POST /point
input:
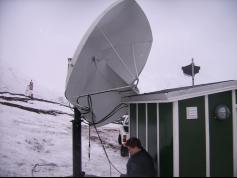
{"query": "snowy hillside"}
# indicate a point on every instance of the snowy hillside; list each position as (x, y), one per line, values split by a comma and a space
(36, 140)
(13, 80)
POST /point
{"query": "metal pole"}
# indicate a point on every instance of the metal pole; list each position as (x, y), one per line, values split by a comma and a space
(193, 72)
(76, 141)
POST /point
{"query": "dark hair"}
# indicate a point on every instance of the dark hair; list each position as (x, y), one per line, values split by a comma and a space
(134, 142)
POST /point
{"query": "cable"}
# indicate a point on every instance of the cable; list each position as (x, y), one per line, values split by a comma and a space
(89, 152)
(86, 109)
(69, 105)
(41, 165)
(85, 122)
(110, 163)
(115, 110)
(94, 124)
(83, 109)
(89, 109)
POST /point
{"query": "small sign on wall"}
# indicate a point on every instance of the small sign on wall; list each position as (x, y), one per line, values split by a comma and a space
(192, 112)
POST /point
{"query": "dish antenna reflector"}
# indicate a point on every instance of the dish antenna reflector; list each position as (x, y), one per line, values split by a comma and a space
(107, 63)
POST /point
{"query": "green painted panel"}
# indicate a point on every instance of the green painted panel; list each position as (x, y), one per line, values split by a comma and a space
(166, 139)
(221, 137)
(133, 120)
(152, 130)
(192, 140)
(142, 123)
(236, 96)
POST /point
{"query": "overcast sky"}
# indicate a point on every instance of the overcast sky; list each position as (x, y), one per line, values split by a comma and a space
(37, 37)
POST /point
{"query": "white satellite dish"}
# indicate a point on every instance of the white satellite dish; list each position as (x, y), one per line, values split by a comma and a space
(108, 62)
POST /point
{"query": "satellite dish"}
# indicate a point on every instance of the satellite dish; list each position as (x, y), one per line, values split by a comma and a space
(108, 61)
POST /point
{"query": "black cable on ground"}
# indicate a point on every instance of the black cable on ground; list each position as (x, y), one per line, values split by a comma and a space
(94, 124)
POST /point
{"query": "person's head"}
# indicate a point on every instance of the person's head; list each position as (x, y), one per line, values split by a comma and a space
(134, 145)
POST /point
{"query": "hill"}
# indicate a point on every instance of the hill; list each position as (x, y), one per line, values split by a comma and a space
(36, 140)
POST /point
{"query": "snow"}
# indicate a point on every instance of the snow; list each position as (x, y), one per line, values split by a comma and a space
(13, 80)
(10, 95)
(36, 104)
(28, 138)
(37, 145)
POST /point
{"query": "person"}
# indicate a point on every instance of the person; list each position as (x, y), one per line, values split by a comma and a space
(31, 85)
(140, 163)
(29, 89)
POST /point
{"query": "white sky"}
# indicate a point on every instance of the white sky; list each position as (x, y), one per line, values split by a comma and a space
(37, 37)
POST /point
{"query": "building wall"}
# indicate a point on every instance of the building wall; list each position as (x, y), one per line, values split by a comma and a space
(142, 123)
(145, 124)
(166, 139)
(152, 131)
(235, 131)
(139, 113)
(236, 96)
(221, 137)
(192, 141)
(133, 120)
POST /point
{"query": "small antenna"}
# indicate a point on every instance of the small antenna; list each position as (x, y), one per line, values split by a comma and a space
(191, 70)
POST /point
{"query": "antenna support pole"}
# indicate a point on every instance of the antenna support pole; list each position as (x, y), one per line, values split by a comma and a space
(193, 75)
(77, 146)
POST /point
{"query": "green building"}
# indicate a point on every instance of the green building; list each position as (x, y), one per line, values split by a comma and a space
(189, 131)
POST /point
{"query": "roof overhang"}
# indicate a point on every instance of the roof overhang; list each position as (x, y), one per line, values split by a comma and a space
(182, 94)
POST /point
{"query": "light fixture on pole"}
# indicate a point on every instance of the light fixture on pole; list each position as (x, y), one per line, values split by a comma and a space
(191, 70)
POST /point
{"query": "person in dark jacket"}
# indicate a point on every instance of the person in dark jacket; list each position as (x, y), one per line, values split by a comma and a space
(140, 163)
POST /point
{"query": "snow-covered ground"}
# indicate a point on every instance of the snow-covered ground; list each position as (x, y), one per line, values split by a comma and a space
(33, 144)
(13, 80)
(33, 103)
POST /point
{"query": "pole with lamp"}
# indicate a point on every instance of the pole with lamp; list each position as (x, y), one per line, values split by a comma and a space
(191, 70)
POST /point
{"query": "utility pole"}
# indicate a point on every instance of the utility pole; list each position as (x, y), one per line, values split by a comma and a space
(191, 70)
(193, 75)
